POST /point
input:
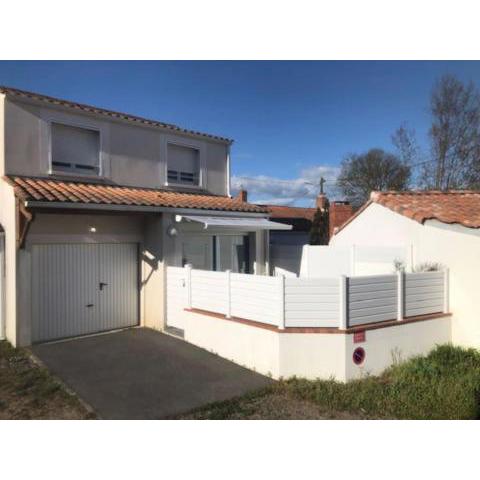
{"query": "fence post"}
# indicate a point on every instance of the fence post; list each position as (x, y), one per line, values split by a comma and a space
(188, 274)
(400, 294)
(446, 290)
(343, 303)
(229, 294)
(281, 291)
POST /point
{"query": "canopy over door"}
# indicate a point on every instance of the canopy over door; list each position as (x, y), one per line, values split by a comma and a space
(239, 223)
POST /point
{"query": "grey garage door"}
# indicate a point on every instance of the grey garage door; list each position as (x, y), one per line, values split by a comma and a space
(79, 289)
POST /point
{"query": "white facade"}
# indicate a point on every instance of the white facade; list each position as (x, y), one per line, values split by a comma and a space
(453, 246)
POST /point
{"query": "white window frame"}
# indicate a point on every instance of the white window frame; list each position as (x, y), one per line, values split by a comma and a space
(202, 169)
(85, 126)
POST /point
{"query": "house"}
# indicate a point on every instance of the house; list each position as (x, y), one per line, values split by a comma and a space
(435, 227)
(94, 204)
(110, 220)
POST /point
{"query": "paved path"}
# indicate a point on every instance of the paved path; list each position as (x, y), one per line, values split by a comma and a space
(144, 374)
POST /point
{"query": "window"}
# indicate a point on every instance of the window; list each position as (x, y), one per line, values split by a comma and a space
(183, 165)
(75, 150)
(231, 252)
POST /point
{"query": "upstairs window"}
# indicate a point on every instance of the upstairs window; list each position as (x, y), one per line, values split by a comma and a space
(75, 149)
(183, 165)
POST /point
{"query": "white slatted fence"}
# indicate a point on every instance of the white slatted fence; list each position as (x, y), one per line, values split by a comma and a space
(371, 299)
(311, 302)
(424, 293)
(307, 302)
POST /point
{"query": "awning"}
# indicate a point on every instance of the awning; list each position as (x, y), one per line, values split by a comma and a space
(238, 223)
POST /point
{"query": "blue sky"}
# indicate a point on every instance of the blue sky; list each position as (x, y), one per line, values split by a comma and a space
(291, 121)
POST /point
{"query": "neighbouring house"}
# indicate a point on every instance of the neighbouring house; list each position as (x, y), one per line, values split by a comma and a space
(94, 204)
(286, 246)
(434, 227)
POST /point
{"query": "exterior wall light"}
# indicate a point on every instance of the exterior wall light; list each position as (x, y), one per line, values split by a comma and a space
(92, 229)
(172, 231)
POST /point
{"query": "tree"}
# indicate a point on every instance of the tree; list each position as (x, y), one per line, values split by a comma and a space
(454, 136)
(405, 143)
(319, 229)
(373, 170)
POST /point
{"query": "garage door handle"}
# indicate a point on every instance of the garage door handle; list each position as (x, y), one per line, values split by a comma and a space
(90, 305)
(101, 285)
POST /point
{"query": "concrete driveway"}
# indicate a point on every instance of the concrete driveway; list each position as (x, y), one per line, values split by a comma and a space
(144, 374)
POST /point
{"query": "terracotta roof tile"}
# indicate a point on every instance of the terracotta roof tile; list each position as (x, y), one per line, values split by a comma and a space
(283, 211)
(453, 206)
(49, 190)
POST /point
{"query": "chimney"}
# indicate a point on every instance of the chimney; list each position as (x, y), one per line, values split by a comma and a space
(321, 202)
(339, 213)
(242, 195)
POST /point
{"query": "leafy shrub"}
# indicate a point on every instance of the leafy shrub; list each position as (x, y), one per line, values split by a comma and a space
(445, 384)
(428, 267)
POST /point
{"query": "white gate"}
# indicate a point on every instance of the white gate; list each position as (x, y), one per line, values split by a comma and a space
(79, 289)
(176, 296)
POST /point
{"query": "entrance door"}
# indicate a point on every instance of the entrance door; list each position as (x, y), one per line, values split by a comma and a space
(79, 289)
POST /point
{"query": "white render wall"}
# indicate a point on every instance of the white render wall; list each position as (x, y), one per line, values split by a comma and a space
(312, 355)
(385, 346)
(351, 260)
(8, 222)
(454, 246)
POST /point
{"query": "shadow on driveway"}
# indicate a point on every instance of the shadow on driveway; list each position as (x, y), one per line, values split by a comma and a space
(144, 374)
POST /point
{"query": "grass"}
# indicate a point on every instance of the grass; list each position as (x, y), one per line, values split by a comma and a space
(445, 384)
(29, 391)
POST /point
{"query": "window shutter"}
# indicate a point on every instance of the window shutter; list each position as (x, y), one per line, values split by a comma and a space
(75, 149)
(183, 165)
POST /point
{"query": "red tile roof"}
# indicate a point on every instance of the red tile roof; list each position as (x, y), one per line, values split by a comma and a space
(47, 190)
(106, 113)
(282, 211)
(453, 206)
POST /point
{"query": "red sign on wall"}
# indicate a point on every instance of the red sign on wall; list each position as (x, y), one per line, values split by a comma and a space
(359, 337)
(358, 356)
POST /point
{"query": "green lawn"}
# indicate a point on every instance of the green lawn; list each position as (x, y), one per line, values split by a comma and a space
(442, 385)
(29, 391)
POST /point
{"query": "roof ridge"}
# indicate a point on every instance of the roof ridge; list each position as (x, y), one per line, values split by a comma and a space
(107, 112)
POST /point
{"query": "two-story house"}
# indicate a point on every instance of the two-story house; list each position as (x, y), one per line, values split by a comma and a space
(95, 203)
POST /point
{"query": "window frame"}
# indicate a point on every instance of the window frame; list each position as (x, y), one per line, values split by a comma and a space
(84, 126)
(202, 173)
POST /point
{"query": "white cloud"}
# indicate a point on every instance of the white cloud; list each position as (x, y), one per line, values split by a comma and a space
(301, 190)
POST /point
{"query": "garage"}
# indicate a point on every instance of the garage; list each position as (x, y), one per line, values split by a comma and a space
(79, 289)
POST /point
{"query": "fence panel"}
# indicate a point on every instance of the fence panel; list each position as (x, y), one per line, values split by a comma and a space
(209, 291)
(372, 299)
(255, 297)
(424, 293)
(308, 302)
(312, 302)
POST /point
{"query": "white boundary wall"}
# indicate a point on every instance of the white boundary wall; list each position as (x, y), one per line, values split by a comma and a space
(313, 355)
(333, 260)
